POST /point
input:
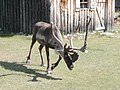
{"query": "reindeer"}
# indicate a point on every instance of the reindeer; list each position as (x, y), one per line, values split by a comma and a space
(49, 35)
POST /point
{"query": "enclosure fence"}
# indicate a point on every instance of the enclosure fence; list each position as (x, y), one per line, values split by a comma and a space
(20, 15)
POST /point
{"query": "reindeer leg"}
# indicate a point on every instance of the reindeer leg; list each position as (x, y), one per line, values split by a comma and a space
(55, 64)
(48, 60)
(42, 61)
(33, 42)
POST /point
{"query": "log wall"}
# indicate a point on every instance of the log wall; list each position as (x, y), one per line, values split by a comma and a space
(20, 15)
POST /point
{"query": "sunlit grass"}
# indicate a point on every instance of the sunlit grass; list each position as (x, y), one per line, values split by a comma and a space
(99, 69)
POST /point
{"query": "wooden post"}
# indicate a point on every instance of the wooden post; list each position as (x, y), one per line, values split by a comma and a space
(23, 25)
(109, 15)
(1, 15)
(106, 15)
(113, 12)
(69, 15)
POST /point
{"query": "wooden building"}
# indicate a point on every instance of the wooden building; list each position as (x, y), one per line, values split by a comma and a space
(71, 13)
(19, 15)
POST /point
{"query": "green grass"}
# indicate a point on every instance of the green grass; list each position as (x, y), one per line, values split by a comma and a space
(99, 69)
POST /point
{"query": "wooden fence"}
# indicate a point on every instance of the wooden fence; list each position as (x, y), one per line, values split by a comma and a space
(67, 17)
(19, 15)
(78, 21)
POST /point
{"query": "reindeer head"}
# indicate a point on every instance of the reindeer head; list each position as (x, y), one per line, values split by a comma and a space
(69, 56)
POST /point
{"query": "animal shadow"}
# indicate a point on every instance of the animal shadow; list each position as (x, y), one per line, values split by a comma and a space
(13, 66)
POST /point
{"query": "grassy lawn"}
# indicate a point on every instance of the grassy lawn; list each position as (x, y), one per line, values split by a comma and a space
(99, 69)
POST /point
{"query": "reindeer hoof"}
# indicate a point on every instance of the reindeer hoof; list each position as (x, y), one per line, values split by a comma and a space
(28, 61)
(86, 51)
(48, 72)
(43, 65)
(53, 66)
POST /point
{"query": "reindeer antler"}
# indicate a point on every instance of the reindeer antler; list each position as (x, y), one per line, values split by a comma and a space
(67, 49)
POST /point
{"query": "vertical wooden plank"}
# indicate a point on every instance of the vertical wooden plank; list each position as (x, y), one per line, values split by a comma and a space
(80, 19)
(112, 12)
(51, 14)
(45, 11)
(23, 11)
(26, 16)
(29, 18)
(18, 16)
(43, 6)
(15, 16)
(11, 20)
(74, 9)
(92, 20)
(36, 10)
(48, 10)
(62, 21)
(55, 12)
(109, 14)
(32, 15)
(21, 16)
(58, 13)
(75, 20)
(0, 15)
(6, 18)
(66, 22)
(3, 15)
(71, 13)
(69, 16)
